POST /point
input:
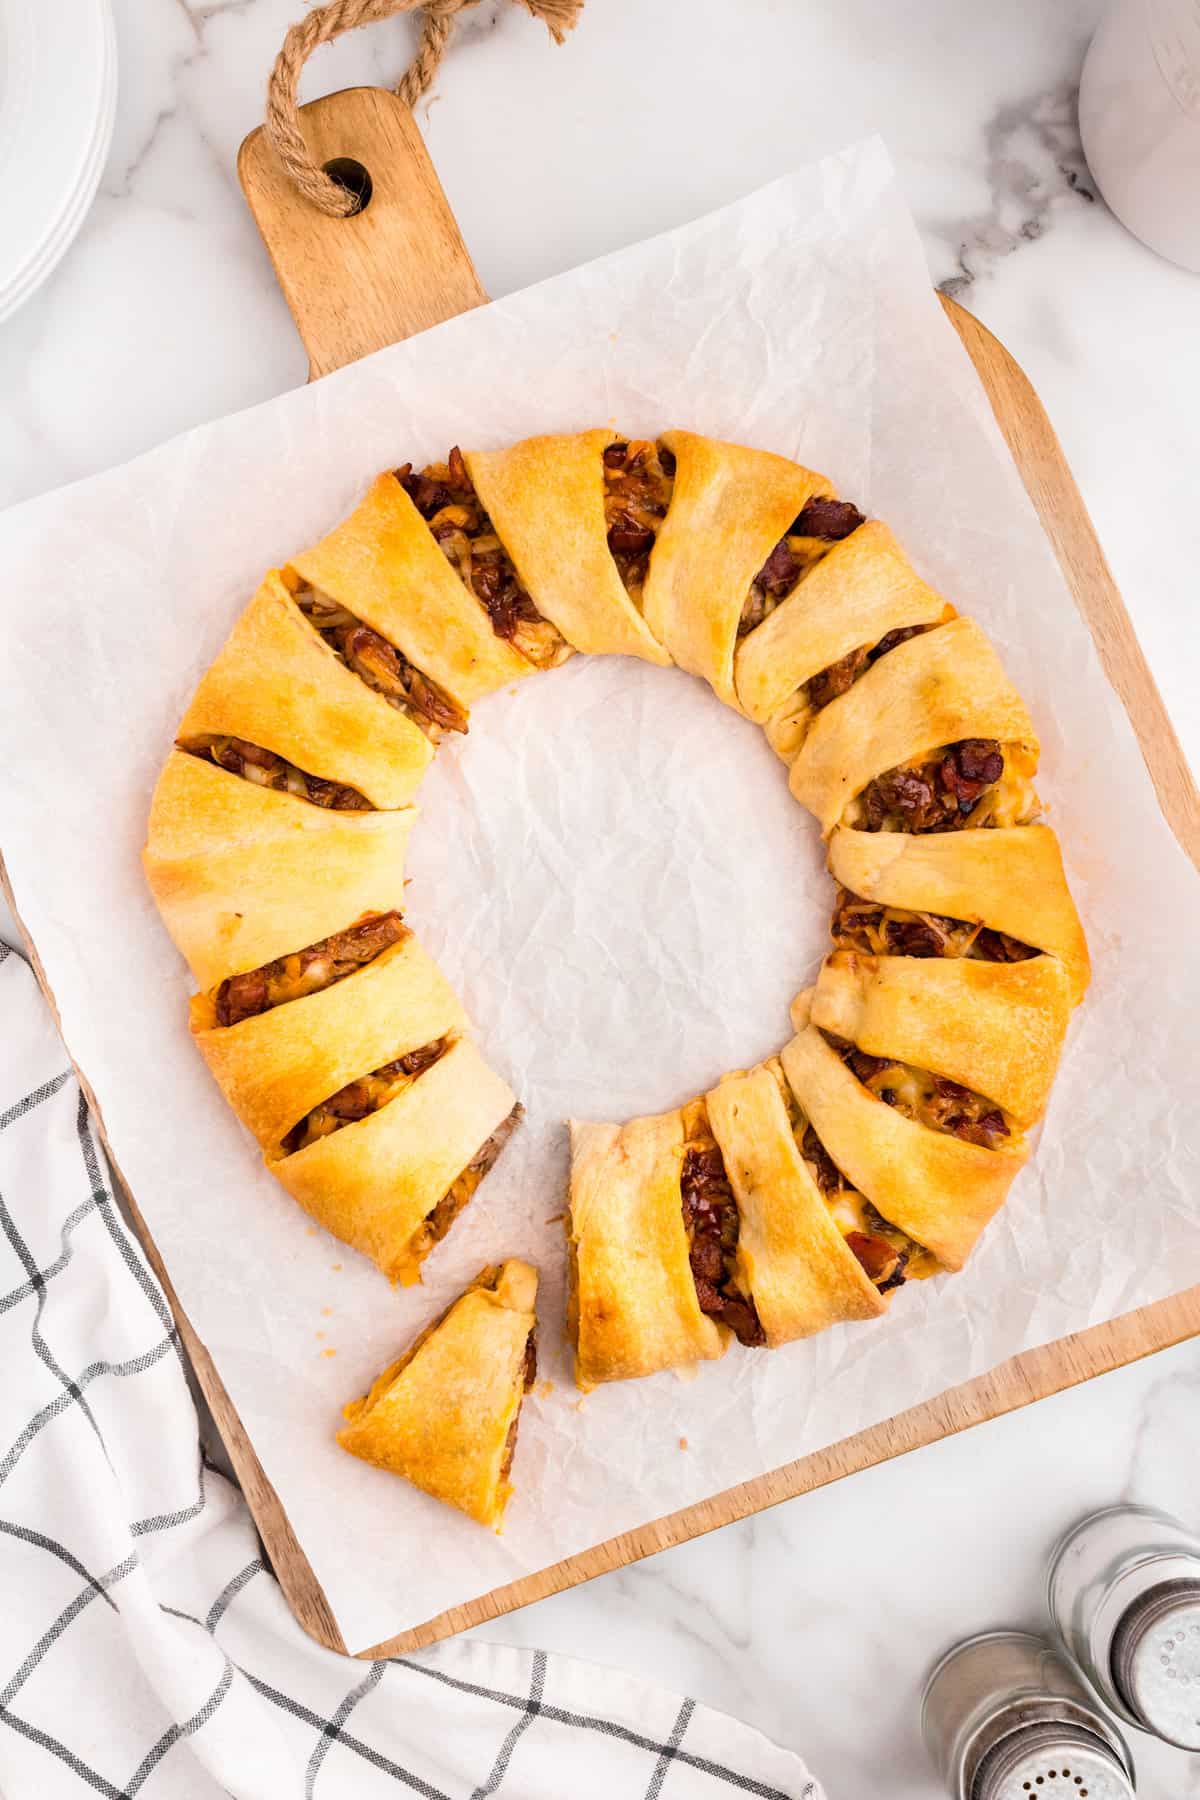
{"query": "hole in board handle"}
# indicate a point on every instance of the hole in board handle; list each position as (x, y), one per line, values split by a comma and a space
(354, 178)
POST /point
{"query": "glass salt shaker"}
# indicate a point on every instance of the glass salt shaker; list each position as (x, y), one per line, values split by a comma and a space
(1005, 1717)
(1124, 1592)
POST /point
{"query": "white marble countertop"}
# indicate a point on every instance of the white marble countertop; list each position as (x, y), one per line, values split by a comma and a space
(816, 1621)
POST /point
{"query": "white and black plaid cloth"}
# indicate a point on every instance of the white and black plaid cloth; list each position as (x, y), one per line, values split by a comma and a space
(145, 1648)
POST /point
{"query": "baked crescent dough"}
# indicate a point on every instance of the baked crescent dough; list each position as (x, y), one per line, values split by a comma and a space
(792, 1259)
(374, 1183)
(946, 685)
(996, 1028)
(384, 565)
(275, 1067)
(243, 874)
(730, 508)
(937, 1188)
(1008, 878)
(871, 1152)
(276, 684)
(445, 1414)
(861, 589)
(545, 497)
(633, 1306)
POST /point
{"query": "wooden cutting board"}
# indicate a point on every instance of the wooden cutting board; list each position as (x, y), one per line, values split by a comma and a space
(355, 285)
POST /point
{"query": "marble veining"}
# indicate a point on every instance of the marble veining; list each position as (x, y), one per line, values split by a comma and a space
(1035, 165)
(817, 1620)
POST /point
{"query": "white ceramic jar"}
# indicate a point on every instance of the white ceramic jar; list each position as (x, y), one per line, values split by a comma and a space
(1139, 116)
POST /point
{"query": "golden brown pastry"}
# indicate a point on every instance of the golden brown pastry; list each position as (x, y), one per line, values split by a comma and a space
(995, 1028)
(730, 508)
(937, 1185)
(384, 566)
(850, 607)
(445, 1414)
(243, 873)
(277, 686)
(633, 1307)
(391, 1180)
(793, 1260)
(546, 499)
(872, 753)
(276, 1065)
(1005, 884)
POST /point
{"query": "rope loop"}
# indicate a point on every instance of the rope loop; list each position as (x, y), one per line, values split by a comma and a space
(325, 23)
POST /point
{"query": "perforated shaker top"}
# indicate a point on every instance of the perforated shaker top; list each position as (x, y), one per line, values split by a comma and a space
(1054, 1761)
(1156, 1661)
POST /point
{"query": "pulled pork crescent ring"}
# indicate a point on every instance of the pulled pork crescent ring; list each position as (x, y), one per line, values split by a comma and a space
(805, 1192)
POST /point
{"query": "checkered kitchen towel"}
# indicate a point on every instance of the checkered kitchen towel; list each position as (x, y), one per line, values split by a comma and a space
(145, 1648)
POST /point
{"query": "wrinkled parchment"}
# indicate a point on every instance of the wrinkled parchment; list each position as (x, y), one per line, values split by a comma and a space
(609, 868)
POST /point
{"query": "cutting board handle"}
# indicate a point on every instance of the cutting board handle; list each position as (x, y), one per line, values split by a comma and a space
(394, 268)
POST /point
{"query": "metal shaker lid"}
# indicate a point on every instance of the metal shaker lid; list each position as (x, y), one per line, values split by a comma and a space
(1156, 1661)
(1052, 1761)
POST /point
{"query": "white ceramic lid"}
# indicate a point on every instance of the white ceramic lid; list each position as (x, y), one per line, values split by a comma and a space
(58, 90)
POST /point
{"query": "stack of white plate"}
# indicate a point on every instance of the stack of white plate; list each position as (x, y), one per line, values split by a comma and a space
(58, 92)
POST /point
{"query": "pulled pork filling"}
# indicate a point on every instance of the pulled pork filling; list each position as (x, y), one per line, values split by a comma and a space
(528, 1377)
(828, 684)
(267, 770)
(710, 1218)
(445, 497)
(962, 784)
(639, 478)
(887, 1256)
(358, 1099)
(877, 930)
(382, 666)
(822, 524)
(462, 1188)
(931, 1100)
(307, 971)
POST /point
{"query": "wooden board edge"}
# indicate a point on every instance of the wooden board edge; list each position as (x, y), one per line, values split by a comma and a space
(1033, 1375)
(301, 1588)
(1047, 478)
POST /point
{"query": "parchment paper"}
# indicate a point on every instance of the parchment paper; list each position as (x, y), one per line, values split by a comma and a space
(609, 868)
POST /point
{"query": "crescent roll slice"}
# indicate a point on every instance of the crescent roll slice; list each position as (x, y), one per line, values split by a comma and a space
(632, 1306)
(935, 693)
(731, 506)
(1008, 881)
(276, 1066)
(391, 1183)
(793, 1261)
(938, 1188)
(277, 685)
(994, 1028)
(837, 619)
(445, 1414)
(546, 499)
(243, 874)
(384, 566)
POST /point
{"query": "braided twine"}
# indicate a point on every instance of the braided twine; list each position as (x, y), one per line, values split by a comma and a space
(321, 26)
